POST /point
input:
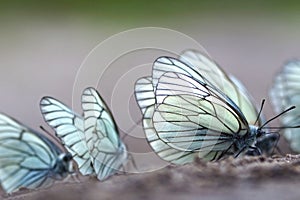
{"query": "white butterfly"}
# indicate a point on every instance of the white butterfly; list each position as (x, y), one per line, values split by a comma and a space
(93, 140)
(286, 92)
(192, 108)
(29, 159)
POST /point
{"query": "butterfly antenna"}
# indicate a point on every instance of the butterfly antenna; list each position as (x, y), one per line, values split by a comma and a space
(280, 128)
(282, 113)
(260, 110)
(50, 134)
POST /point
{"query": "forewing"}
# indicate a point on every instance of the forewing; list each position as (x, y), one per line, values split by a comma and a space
(228, 84)
(206, 67)
(107, 150)
(245, 102)
(26, 158)
(69, 129)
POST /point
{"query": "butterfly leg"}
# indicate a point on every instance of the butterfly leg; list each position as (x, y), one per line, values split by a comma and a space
(72, 178)
(130, 157)
(252, 151)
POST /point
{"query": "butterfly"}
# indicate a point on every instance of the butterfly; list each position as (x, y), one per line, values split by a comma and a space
(92, 139)
(286, 92)
(29, 159)
(192, 108)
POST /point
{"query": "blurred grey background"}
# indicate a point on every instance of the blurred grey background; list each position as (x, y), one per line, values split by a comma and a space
(42, 45)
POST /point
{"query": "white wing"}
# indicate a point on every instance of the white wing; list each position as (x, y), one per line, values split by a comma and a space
(144, 93)
(193, 116)
(106, 148)
(285, 93)
(69, 128)
(216, 77)
(27, 159)
(146, 100)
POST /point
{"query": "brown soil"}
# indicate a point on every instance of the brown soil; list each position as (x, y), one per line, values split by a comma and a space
(242, 178)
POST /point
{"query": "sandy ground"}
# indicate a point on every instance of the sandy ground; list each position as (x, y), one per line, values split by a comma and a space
(243, 178)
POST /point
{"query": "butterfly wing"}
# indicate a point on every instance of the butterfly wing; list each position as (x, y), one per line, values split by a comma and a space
(69, 128)
(106, 148)
(216, 77)
(27, 159)
(192, 116)
(285, 93)
(145, 97)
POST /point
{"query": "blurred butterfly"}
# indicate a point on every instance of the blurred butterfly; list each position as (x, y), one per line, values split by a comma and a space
(286, 92)
(93, 140)
(192, 108)
(29, 159)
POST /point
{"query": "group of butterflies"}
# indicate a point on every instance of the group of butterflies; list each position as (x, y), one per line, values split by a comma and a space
(191, 108)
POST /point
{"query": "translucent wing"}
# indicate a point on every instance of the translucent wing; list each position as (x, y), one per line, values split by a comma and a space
(144, 93)
(285, 93)
(106, 148)
(69, 128)
(27, 159)
(146, 100)
(193, 116)
(216, 77)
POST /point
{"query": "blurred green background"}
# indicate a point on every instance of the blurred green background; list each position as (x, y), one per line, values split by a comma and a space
(43, 43)
(135, 11)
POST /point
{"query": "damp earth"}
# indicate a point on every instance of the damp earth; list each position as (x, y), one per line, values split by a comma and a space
(276, 177)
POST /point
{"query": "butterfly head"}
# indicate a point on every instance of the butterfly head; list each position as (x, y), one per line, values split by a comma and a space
(263, 142)
(267, 142)
(63, 165)
(250, 141)
(260, 140)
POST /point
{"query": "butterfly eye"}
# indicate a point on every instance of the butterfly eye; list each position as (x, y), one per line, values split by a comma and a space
(67, 157)
(259, 133)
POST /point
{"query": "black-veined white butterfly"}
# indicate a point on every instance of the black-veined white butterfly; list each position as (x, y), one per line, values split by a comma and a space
(286, 92)
(29, 159)
(192, 108)
(93, 140)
